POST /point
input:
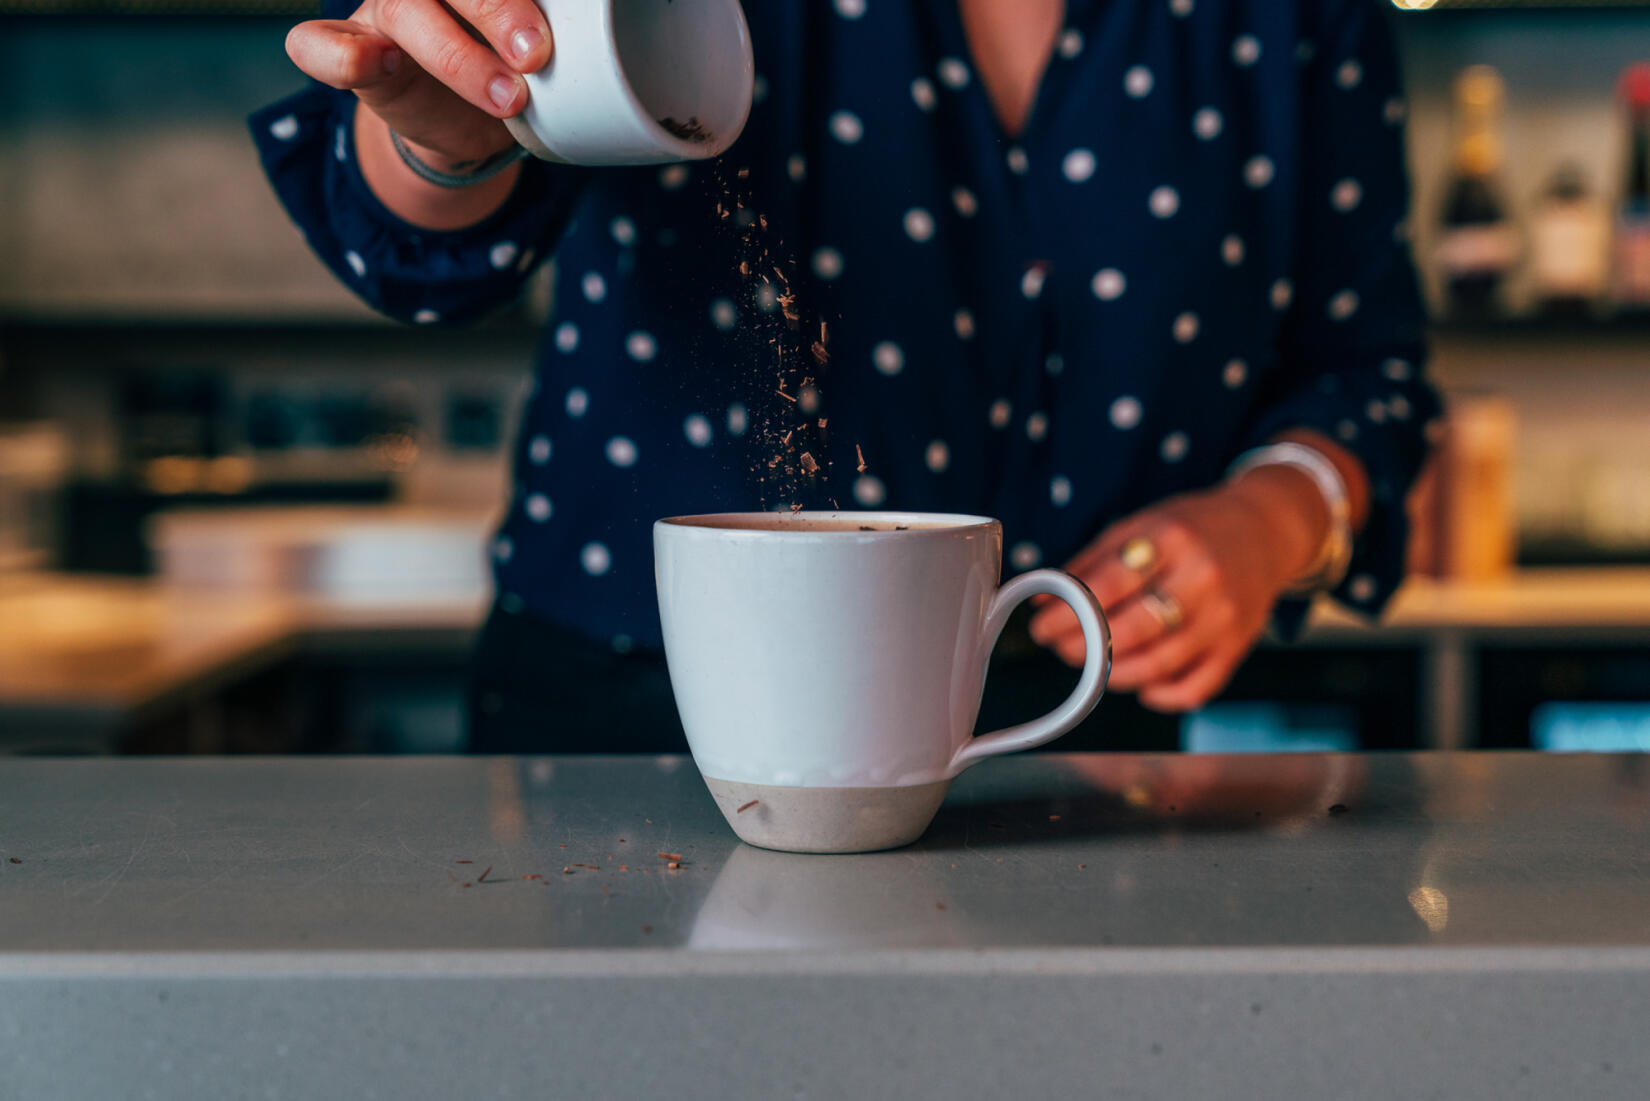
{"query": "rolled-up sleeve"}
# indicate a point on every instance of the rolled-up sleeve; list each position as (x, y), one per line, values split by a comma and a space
(306, 143)
(1353, 343)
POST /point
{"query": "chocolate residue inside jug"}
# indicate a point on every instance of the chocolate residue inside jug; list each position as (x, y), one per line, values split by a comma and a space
(690, 130)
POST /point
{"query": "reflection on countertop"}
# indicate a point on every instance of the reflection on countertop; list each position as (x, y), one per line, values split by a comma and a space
(1037, 852)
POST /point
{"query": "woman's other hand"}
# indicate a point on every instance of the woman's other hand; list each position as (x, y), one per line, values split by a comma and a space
(1189, 584)
(442, 76)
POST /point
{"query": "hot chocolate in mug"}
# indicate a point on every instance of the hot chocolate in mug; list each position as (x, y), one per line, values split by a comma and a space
(828, 667)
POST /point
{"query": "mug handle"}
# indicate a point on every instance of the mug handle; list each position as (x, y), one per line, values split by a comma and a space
(1090, 686)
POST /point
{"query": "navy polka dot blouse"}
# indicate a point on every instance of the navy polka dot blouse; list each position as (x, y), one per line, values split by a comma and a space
(1198, 241)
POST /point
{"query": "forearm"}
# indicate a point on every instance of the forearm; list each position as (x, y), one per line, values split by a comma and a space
(417, 201)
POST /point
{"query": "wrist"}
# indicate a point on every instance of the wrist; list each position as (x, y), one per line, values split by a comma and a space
(1292, 510)
(416, 201)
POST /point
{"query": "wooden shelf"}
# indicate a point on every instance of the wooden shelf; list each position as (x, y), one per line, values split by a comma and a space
(1621, 326)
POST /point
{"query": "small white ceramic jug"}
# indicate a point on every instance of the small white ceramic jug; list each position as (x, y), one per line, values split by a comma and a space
(639, 82)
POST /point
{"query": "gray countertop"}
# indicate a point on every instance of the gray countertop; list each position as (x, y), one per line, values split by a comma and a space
(1081, 908)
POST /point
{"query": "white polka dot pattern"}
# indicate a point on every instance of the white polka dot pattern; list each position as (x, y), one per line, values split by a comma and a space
(1258, 172)
(1126, 412)
(641, 347)
(504, 548)
(1346, 195)
(284, 128)
(827, 263)
(846, 127)
(502, 255)
(596, 559)
(1207, 209)
(1031, 283)
(888, 358)
(697, 430)
(919, 224)
(724, 314)
(621, 452)
(937, 457)
(1361, 588)
(426, 317)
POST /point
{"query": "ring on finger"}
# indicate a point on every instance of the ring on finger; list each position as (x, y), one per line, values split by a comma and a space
(1163, 608)
(1139, 554)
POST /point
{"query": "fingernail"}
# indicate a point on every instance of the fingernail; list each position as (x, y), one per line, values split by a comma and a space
(524, 42)
(502, 91)
(391, 61)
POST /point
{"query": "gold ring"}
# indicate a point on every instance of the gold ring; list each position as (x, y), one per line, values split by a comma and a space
(1164, 608)
(1139, 554)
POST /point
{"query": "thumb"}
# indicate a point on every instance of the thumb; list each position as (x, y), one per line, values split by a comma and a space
(344, 54)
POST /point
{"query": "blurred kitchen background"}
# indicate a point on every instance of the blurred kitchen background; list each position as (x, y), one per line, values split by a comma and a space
(240, 513)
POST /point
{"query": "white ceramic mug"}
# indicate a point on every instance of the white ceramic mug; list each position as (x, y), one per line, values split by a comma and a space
(621, 68)
(828, 667)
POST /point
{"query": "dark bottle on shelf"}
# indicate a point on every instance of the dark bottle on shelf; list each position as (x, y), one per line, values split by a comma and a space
(1633, 213)
(1477, 244)
(1569, 246)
